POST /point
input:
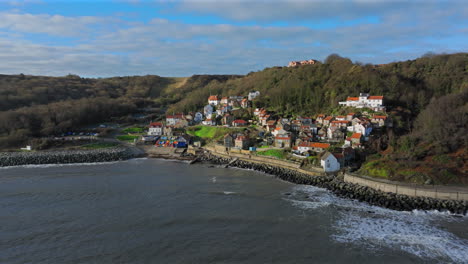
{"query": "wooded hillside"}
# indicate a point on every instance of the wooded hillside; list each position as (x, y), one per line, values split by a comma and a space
(35, 106)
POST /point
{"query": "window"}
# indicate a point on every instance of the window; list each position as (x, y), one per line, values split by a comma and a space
(328, 164)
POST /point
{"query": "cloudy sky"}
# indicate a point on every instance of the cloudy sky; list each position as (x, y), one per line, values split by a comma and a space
(182, 38)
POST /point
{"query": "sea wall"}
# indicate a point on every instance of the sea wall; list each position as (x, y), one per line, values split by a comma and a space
(220, 151)
(437, 192)
(344, 189)
(285, 173)
(65, 156)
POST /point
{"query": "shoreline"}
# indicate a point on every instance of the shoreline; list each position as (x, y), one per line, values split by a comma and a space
(335, 184)
(340, 188)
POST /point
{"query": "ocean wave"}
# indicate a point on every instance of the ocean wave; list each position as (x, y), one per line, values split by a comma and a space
(409, 233)
(416, 232)
(172, 160)
(308, 204)
(223, 193)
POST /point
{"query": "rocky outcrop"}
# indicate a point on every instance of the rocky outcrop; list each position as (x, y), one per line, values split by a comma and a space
(68, 156)
(348, 190)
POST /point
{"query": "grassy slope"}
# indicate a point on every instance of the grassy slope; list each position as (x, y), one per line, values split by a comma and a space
(128, 138)
(278, 153)
(210, 132)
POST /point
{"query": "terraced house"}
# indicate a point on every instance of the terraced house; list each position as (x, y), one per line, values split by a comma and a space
(374, 102)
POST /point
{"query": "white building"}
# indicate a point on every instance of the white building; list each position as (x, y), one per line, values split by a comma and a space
(208, 110)
(253, 95)
(363, 128)
(224, 100)
(156, 129)
(236, 97)
(365, 100)
(213, 100)
(171, 120)
(329, 162)
(279, 131)
(209, 122)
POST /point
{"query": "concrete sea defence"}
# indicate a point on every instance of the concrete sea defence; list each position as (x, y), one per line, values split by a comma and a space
(166, 153)
(339, 187)
(66, 156)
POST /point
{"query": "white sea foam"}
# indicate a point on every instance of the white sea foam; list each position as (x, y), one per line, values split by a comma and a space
(308, 204)
(172, 160)
(137, 159)
(228, 193)
(417, 232)
(409, 233)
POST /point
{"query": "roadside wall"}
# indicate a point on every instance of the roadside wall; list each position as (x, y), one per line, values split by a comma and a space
(438, 192)
(221, 151)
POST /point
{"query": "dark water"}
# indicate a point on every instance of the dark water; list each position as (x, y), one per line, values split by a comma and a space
(154, 211)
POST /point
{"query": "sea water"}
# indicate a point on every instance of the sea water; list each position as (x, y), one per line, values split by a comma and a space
(158, 211)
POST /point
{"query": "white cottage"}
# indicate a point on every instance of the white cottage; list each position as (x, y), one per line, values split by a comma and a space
(329, 162)
(156, 129)
(253, 95)
(213, 100)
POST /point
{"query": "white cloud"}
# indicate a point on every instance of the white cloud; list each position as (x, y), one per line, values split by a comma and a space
(55, 25)
(106, 46)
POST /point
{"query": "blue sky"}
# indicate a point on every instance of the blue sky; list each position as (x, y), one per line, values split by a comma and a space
(182, 38)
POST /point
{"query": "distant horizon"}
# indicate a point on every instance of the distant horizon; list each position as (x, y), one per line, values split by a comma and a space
(187, 76)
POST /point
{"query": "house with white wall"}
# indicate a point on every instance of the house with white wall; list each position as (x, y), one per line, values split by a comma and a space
(253, 95)
(213, 100)
(374, 102)
(172, 120)
(156, 129)
(329, 162)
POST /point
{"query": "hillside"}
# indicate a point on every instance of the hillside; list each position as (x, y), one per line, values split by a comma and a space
(35, 106)
(311, 89)
(426, 99)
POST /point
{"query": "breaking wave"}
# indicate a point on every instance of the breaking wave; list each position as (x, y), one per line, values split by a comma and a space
(420, 233)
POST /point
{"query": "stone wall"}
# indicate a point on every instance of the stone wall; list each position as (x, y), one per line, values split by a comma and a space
(65, 156)
(437, 192)
(219, 150)
(341, 188)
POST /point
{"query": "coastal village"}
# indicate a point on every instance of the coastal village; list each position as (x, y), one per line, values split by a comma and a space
(328, 149)
(326, 141)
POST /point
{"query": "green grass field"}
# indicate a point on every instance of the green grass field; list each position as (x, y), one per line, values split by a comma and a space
(99, 145)
(376, 168)
(133, 130)
(210, 132)
(278, 153)
(126, 138)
